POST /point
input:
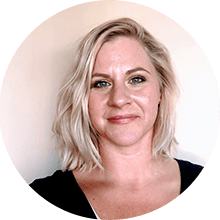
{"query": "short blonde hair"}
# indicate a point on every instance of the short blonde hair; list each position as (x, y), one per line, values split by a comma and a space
(76, 137)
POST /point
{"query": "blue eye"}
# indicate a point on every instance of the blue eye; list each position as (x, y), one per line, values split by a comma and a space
(137, 79)
(100, 84)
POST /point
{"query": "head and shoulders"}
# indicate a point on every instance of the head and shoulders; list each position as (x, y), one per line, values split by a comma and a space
(77, 139)
(117, 104)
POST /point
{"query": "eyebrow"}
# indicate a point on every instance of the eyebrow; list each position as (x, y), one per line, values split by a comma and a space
(127, 73)
(136, 70)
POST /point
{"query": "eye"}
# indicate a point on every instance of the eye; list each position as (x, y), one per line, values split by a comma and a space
(100, 84)
(137, 79)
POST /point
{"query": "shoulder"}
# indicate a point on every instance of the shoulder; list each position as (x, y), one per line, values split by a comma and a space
(188, 167)
(59, 178)
(62, 190)
(189, 172)
(55, 187)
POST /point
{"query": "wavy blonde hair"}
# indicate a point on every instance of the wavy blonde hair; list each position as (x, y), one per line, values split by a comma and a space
(77, 139)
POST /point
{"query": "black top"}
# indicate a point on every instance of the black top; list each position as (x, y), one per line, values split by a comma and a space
(62, 190)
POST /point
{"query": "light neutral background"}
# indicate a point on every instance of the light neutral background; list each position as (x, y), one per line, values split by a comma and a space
(33, 76)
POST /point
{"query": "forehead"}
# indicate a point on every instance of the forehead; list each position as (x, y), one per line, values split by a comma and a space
(122, 51)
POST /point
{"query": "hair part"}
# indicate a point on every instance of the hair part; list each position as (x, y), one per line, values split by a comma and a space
(76, 137)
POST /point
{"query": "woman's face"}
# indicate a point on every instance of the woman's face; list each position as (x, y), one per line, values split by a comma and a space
(125, 94)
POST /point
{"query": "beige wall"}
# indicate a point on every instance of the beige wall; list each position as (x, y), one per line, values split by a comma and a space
(32, 79)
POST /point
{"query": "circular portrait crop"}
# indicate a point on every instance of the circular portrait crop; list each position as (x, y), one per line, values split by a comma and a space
(110, 110)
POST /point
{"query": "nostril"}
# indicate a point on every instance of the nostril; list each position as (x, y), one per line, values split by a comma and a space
(119, 97)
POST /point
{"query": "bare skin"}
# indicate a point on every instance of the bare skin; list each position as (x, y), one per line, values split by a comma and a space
(123, 106)
(121, 192)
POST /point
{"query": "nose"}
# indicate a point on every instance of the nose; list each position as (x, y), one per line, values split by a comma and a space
(119, 97)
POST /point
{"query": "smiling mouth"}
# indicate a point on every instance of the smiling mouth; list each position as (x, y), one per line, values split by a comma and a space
(122, 119)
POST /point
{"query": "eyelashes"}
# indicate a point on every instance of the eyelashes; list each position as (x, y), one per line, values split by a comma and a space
(104, 83)
(100, 84)
(137, 79)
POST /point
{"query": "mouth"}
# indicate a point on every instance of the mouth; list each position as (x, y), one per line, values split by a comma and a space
(122, 119)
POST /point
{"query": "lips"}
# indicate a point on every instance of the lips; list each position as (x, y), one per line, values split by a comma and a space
(122, 119)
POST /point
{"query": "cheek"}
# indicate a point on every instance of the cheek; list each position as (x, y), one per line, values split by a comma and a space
(149, 97)
(149, 103)
(92, 106)
(95, 109)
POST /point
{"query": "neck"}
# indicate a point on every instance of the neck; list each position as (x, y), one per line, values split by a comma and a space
(129, 164)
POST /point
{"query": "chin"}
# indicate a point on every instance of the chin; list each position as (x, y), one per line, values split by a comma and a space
(127, 135)
(125, 140)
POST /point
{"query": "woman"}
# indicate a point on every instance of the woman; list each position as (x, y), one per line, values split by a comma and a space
(115, 127)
